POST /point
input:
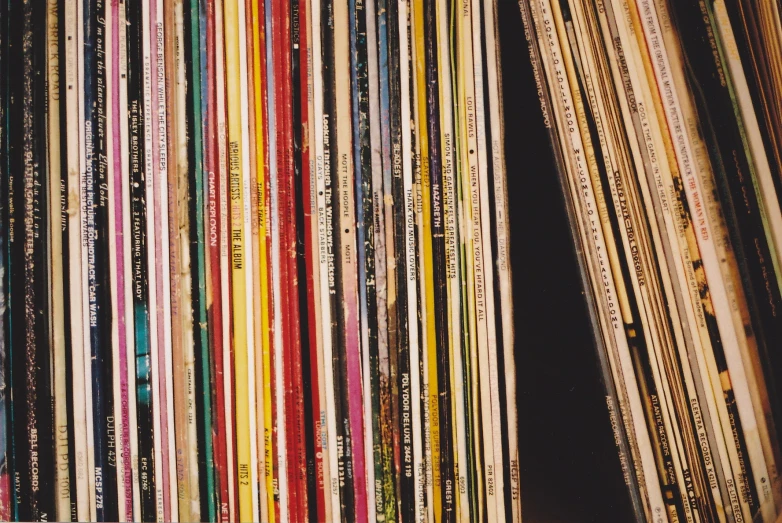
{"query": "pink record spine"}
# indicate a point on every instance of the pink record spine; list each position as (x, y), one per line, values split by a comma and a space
(125, 481)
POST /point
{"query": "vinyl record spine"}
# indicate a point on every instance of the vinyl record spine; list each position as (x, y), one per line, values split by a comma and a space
(117, 184)
(75, 328)
(414, 464)
(178, 197)
(18, 470)
(138, 174)
(5, 412)
(161, 150)
(153, 224)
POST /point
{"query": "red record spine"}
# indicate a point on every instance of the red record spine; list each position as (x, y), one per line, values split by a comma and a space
(213, 249)
(281, 49)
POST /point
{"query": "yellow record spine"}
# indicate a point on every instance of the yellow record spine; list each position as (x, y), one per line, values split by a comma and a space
(238, 258)
(264, 410)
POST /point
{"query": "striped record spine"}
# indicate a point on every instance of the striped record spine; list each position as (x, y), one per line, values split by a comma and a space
(464, 166)
(300, 192)
(130, 431)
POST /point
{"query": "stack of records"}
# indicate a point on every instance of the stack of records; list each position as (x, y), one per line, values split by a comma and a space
(254, 263)
(665, 118)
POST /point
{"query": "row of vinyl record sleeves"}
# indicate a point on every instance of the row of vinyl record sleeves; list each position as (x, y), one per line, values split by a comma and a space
(254, 262)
